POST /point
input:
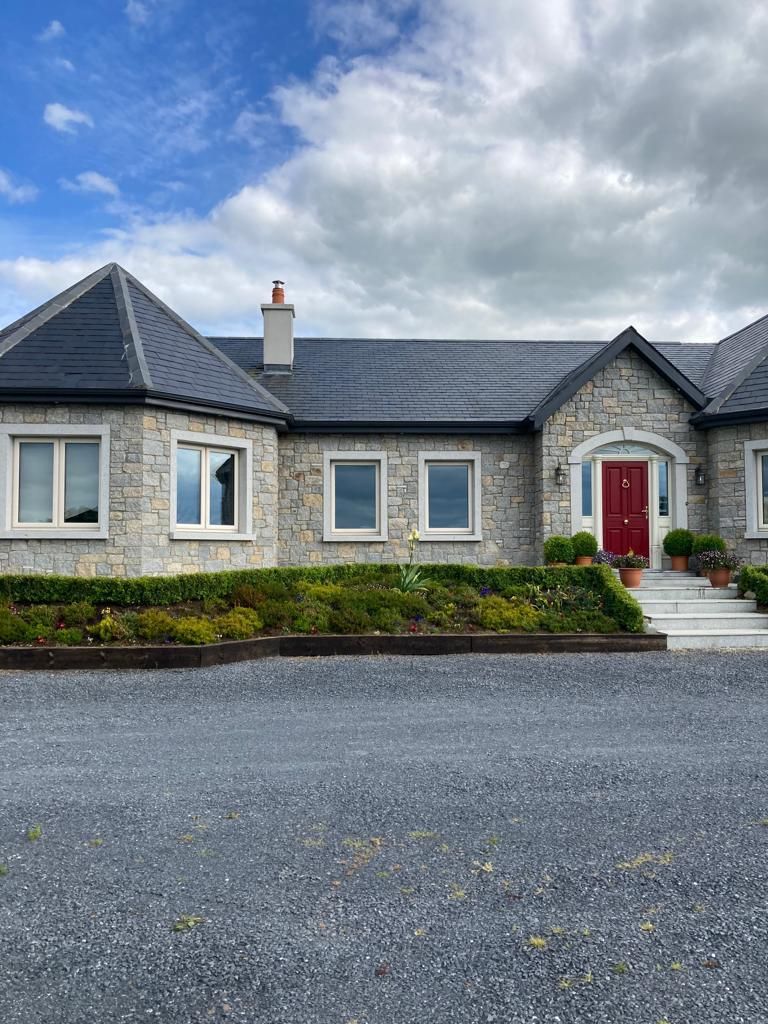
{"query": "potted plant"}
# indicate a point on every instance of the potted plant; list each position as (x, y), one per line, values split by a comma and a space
(584, 547)
(718, 565)
(605, 557)
(558, 551)
(630, 568)
(707, 542)
(678, 544)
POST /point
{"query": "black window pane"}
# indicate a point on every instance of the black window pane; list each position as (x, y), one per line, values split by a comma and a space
(448, 497)
(354, 497)
(222, 488)
(81, 483)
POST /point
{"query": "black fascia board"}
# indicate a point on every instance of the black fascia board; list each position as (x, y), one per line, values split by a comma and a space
(708, 421)
(629, 338)
(411, 427)
(84, 396)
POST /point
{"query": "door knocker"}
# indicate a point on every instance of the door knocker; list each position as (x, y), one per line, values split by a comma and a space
(625, 484)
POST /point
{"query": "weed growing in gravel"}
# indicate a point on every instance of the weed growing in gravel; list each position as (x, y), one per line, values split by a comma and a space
(186, 923)
(456, 892)
(231, 815)
(423, 834)
(676, 966)
(536, 942)
(647, 926)
(4, 869)
(644, 859)
(35, 833)
(96, 842)
(187, 838)
(620, 968)
(312, 843)
(482, 867)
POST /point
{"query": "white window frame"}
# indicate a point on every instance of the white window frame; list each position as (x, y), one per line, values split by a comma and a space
(11, 434)
(361, 458)
(475, 529)
(242, 448)
(756, 529)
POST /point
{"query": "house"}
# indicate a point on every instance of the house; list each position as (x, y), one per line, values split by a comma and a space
(130, 444)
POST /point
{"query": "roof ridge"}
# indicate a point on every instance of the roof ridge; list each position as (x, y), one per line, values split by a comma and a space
(42, 314)
(263, 394)
(138, 370)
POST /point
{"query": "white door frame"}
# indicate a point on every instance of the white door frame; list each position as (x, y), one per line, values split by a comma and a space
(667, 451)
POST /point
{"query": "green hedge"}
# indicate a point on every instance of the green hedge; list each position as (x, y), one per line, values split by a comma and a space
(152, 591)
(755, 579)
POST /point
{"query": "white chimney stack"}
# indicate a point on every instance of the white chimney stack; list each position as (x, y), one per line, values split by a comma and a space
(278, 332)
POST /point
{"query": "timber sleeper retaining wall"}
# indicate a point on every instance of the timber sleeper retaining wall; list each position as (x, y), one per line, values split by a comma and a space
(177, 656)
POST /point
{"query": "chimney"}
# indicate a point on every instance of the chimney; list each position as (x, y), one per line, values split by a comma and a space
(278, 332)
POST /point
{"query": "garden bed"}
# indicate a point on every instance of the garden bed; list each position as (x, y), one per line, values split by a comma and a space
(53, 612)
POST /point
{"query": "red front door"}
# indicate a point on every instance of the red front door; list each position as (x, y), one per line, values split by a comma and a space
(625, 507)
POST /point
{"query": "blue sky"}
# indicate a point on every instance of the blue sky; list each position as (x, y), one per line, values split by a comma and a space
(408, 167)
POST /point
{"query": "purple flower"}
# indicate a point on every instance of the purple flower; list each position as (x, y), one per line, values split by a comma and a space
(485, 591)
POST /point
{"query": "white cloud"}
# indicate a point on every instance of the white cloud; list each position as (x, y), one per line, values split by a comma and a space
(504, 170)
(53, 30)
(91, 181)
(136, 12)
(64, 119)
(16, 193)
(66, 65)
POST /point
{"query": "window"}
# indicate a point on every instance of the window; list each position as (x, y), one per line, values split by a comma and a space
(355, 491)
(449, 498)
(56, 483)
(586, 489)
(206, 488)
(663, 488)
(756, 488)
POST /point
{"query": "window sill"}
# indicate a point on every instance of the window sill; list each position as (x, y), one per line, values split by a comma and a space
(211, 535)
(450, 537)
(54, 534)
(354, 538)
(756, 535)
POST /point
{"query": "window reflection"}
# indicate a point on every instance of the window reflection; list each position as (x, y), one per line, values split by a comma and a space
(81, 483)
(35, 482)
(448, 491)
(221, 467)
(188, 486)
(355, 496)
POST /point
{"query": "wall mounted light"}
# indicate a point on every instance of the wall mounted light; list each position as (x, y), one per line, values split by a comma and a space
(559, 475)
(699, 476)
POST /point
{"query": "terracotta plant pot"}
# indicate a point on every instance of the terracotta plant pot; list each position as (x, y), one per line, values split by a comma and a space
(631, 578)
(584, 559)
(719, 577)
(679, 563)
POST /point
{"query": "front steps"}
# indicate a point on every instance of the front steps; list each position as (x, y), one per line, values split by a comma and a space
(697, 616)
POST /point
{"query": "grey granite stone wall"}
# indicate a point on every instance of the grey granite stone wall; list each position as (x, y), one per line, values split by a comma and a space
(727, 488)
(507, 499)
(139, 541)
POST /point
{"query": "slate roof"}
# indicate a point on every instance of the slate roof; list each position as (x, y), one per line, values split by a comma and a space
(364, 380)
(108, 335)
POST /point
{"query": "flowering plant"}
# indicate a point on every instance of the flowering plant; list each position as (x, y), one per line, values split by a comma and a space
(709, 560)
(412, 578)
(605, 557)
(630, 561)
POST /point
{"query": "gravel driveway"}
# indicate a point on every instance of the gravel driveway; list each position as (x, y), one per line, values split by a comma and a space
(388, 841)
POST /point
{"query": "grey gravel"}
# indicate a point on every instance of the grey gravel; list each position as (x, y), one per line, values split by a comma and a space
(376, 840)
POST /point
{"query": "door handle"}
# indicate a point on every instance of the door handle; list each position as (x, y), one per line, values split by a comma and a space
(626, 522)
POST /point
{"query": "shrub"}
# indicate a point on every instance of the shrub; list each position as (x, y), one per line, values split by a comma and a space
(109, 628)
(576, 621)
(71, 637)
(247, 596)
(189, 630)
(278, 614)
(558, 549)
(154, 624)
(350, 620)
(584, 544)
(80, 613)
(504, 616)
(41, 617)
(631, 561)
(678, 542)
(708, 542)
(14, 630)
(239, 624)
(754, 579)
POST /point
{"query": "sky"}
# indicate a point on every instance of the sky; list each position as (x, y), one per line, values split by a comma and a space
(410, 168)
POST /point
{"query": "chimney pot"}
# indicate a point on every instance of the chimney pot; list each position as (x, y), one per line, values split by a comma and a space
(278, 293)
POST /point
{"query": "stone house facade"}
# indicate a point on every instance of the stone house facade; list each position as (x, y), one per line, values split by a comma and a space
(131, 445)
